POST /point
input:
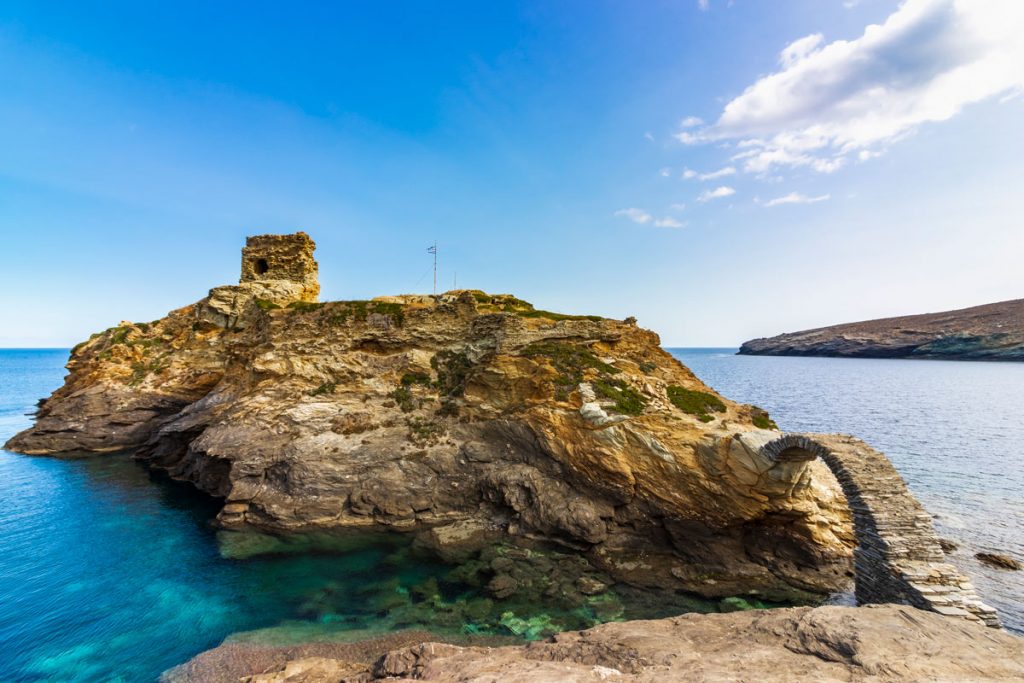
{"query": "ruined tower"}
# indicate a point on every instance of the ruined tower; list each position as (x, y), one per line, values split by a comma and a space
(280, 262)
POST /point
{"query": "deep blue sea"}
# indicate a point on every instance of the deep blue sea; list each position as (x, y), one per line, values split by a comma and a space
(109, 573)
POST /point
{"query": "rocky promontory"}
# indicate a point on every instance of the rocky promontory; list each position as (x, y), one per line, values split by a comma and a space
(989, 332)
(464, 418)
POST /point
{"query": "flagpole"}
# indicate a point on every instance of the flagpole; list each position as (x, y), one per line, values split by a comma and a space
(435, 268)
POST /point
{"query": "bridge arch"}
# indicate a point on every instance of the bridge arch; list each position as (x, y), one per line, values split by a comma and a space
(898, 558)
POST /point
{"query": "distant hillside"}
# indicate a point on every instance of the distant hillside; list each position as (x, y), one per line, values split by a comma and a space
(989, 332)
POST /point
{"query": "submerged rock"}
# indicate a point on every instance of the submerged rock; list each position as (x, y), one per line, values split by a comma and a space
(463, 418)
(998, 561)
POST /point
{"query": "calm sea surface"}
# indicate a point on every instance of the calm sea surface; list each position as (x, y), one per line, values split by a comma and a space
(955, 431)
(108, 573)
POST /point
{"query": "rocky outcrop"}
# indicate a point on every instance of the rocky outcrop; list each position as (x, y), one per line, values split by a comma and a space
(990, 332)
(879, 643)
(462, 418)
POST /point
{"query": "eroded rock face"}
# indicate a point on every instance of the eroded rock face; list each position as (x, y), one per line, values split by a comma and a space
(460, 417)
(875, 643)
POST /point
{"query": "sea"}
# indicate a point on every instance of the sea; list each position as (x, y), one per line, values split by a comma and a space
(109, 572)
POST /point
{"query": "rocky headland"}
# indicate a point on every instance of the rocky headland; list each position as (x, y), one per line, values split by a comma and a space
(464, 418)
(547, 455)
(989, 332)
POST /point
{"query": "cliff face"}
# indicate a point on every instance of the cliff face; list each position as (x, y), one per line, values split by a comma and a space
(990, 332)
(465, 418)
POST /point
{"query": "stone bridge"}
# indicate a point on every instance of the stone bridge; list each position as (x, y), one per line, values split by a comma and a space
(898, 558)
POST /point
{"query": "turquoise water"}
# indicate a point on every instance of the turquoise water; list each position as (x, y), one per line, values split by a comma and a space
(110, 573)
(955, 431)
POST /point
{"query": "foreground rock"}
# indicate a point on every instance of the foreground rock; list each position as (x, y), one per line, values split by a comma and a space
(876, 643)
(990, 332)
(465, 418)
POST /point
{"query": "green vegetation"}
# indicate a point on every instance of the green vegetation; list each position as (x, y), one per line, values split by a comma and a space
(410, 378)
(648, 367)
(403, 397)
(425, 432)
(534, 313)
(266, 304)
(141, 369)
(304, 306)
(698, 403)
(325, 388)
(571, 361)
(761, 419)
(119, 335)
(453, 369)
(343, 311)
(628, 400)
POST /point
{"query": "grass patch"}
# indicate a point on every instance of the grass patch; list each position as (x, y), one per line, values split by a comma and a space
(304, 306)
(425, 432)
(142, 369)
(570, 361)
(648, 367)
(266, 304)
(761, 419)
(341, 312)
(534, 313)
(628, 400)
(325, 388)
(698, 403)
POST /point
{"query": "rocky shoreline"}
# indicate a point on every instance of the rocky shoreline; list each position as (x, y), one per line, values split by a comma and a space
(990, 332)
(873, 643)
(547, 455)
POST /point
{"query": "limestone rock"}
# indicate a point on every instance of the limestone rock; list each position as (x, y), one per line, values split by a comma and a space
(877, 643)
(460, 418)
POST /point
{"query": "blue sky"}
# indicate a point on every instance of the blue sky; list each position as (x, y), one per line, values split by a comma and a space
(721, 170)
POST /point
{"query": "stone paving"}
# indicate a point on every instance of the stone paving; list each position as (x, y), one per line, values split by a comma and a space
(898, 558)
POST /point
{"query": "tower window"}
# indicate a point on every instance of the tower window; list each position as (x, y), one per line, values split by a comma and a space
(261, 266)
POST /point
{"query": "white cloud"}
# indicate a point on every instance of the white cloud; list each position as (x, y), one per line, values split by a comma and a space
(689, 174)
(688, 138)
(665, 172)
(669, 222)
(635, 215)
(720, 173)
(796, 198)
(691, 122)
(677, 207)
(829, 102)
(717, 193)
(703, 5)
(648, 136)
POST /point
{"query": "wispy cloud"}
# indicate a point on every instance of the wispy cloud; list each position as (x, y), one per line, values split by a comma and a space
(635, 215)
(642, 217)
(829, 102)
(720, 173)
(665, 172)
(717, 193)
(703, 5)
(691, 122)
(796, 198)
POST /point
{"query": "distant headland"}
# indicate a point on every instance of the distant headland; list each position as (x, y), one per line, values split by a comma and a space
(989, 332)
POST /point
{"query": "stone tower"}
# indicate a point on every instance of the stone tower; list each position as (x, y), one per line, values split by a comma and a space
(279, 262)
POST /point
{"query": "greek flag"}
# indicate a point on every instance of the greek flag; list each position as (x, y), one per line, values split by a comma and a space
(432, 249)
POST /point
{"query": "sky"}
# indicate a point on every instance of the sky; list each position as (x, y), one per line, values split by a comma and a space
(720, 169)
